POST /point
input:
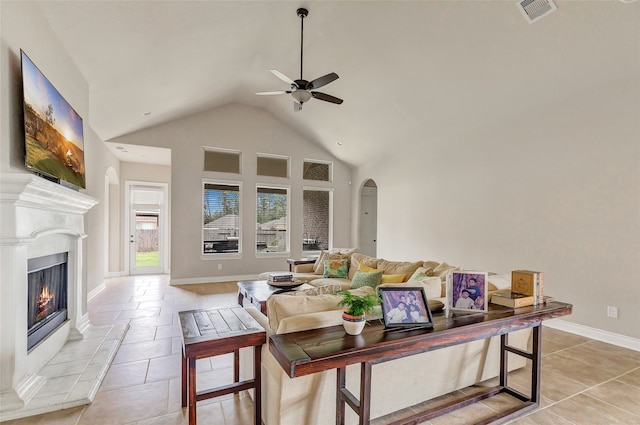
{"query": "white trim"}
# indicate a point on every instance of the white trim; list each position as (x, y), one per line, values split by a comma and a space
(95, 291)
(164, 222)
(593, 333)
(212, 279)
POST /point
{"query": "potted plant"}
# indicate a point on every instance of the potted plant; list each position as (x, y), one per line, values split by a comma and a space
(356, 307)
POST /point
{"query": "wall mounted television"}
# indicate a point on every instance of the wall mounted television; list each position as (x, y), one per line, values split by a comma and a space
(54, 138)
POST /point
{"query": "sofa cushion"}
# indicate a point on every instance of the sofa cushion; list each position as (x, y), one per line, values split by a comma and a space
(357, 259)
(399, 267)
(281, 306)
(430, 284)
(366, 278)
(336, 268)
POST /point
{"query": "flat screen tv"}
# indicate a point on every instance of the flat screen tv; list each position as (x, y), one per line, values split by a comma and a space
(53, 131)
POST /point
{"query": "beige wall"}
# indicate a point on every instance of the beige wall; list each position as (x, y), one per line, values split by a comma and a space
(556, 190)
(250, 131)
(23, 27)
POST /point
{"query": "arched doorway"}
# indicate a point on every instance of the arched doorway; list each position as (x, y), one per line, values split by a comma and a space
(368, 218)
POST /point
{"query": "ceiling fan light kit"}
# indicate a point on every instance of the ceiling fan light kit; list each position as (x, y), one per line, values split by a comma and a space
(301, 90)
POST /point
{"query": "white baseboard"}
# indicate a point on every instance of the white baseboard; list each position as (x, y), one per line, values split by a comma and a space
(116, 274)
(95, 291)
(593, 333)
(212, 279)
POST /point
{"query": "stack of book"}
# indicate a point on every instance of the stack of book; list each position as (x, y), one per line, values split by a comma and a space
(527, 288)
(280, 277)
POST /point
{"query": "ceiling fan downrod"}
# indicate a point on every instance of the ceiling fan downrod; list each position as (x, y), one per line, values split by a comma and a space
(302, 13)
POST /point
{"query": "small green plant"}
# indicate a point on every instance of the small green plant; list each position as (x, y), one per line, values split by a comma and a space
(357, 305)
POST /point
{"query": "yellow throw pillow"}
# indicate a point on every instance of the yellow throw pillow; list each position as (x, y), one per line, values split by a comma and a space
(365, 268)
(392, 278)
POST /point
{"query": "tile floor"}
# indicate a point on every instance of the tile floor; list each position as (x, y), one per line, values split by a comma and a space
(584, 382)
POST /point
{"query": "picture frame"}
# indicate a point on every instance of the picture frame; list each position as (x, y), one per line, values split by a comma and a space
(414, 312)
(467, 291)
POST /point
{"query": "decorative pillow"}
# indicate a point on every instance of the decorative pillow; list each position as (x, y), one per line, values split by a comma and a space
(442, 269)
(328, 257)
(370, 278)
(364, 268)
(336, 268)
(393, 278)
(318, 290)
(420, 274)
(357, 259)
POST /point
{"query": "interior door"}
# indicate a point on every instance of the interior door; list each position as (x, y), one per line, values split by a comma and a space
(368, 220)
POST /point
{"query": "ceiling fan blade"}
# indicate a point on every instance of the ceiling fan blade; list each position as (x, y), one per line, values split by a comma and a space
(297, 106)
(282, 76)
(323, 81)
(326, 97)
(268, 93)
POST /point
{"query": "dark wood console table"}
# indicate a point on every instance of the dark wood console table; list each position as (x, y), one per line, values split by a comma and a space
(307, 352)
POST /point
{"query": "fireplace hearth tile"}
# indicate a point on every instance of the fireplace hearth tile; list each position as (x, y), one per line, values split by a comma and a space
(75, 381)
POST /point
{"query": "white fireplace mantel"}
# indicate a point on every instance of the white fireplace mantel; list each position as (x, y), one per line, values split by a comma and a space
(36, 217)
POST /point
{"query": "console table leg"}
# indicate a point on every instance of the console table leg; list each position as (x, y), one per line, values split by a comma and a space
(257, 384)
(341, 373)
(184, 380)
(504, 369)
(365, 393)
(192, 390)
(536, 362)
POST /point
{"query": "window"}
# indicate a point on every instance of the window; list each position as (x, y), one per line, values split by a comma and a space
(226, 161)
(221, 218)
(316, 170)
(316, 219)
(274, 166)
(272, 215)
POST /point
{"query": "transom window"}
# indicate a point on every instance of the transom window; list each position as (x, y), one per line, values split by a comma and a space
(271, 165)
(316, 170)
(222, 160)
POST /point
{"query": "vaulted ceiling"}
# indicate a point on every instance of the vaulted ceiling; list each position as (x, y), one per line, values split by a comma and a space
(411, 72)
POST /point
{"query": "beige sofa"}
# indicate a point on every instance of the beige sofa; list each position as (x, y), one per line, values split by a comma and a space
(396, 384)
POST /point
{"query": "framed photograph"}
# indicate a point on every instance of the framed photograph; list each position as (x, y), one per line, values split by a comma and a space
(405, 306)
(467, 291)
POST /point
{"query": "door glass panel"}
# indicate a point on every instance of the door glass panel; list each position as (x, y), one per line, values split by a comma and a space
(147, 252)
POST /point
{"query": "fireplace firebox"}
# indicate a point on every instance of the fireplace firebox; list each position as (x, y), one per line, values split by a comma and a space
(46, 296)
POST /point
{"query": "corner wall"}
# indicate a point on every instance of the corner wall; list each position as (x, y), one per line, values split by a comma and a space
(556, 190)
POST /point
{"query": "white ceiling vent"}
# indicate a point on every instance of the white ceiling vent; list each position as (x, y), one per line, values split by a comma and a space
(535, 9)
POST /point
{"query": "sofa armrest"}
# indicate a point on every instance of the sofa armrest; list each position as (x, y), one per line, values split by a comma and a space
(303, 268)
(260, 318)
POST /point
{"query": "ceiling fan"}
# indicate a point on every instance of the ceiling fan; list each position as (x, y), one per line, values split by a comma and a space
(302, 90)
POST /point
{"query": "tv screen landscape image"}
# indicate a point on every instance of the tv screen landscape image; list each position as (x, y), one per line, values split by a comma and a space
(53, 129)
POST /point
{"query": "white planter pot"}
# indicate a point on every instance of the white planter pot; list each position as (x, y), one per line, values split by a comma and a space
(353, 325)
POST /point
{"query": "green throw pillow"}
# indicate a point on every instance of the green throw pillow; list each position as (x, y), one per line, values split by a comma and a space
(371, 279)
(336, 268)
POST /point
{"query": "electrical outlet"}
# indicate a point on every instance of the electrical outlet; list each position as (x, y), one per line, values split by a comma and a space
(612, 312)
(219, 266)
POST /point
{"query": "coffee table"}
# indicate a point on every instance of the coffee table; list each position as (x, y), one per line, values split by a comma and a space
(258, 291)
(306, 352)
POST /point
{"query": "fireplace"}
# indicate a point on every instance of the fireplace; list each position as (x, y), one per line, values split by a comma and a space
(46, 296)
